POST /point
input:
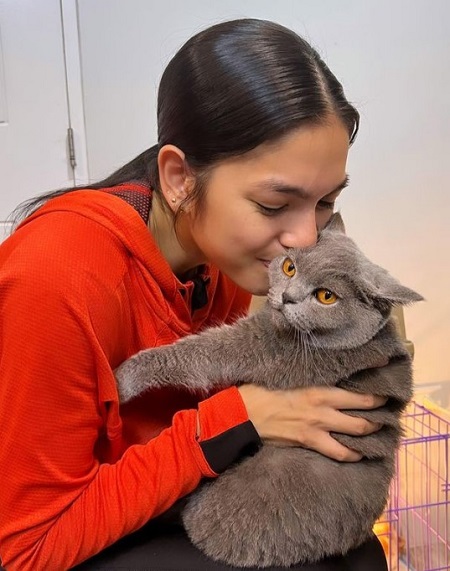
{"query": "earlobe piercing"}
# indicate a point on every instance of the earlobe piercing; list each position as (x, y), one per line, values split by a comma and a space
(173, 200)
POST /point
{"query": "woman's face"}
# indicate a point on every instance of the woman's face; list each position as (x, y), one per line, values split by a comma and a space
(273, 197)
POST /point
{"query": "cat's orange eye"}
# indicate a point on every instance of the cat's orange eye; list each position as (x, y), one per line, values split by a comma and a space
(289, 267)
(325, 296)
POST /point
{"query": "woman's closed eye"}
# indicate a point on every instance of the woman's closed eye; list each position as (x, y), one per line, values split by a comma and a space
(326, 205)
(270, 210)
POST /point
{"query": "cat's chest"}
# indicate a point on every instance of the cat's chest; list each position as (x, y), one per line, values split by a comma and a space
(289, 362)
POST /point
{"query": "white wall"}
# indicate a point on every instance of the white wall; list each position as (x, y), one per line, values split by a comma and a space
(392, 57)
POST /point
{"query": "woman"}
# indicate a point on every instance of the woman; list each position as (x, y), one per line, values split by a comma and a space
(253, 136)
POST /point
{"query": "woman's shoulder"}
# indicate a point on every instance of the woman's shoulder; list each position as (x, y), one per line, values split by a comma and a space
(68, 243)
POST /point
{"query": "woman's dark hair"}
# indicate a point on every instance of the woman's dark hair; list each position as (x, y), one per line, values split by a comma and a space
(230, 88)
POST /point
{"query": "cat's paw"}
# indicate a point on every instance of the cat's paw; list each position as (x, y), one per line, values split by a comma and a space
(129, 380)
(149, 369)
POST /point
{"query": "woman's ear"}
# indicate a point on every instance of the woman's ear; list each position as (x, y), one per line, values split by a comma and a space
(174, 179)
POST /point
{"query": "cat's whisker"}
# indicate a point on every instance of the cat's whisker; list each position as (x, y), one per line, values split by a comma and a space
(306, 349)
(316, 363)
(301, 348)
(320, 359)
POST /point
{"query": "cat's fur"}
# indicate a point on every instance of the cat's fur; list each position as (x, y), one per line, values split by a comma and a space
(286, 505)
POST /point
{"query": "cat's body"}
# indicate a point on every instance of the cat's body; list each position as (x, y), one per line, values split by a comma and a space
(287, 505)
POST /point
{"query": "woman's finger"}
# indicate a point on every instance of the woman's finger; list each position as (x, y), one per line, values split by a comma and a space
(328, 446)
(354, 426)
(341, 399)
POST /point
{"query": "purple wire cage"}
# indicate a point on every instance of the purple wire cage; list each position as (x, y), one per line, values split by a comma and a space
(415, 528)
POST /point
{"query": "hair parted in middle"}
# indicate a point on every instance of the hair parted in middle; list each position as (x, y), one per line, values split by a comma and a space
(230, 88)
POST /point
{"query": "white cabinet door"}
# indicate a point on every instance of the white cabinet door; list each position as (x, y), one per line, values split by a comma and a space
(33, 102)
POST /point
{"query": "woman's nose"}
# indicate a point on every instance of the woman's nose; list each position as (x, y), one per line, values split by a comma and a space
(299, 233)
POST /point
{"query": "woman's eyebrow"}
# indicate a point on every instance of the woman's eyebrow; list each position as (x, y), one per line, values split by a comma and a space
(280, 186)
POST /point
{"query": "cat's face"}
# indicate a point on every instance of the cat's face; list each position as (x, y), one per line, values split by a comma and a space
(332, 292)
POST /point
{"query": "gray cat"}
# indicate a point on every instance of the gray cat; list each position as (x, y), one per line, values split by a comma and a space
(326, 322)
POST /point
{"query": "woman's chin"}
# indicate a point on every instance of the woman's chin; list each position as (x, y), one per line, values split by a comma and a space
(255, 282)
(259, 289)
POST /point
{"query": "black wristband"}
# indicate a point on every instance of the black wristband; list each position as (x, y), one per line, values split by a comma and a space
(231, 446)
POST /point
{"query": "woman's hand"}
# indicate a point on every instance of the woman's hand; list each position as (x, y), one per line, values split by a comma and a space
(305, 417)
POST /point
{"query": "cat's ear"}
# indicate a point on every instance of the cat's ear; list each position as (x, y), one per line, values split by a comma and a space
(336, 224)
(381, 285)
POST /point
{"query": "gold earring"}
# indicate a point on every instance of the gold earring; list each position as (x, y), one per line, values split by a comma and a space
(173, 200)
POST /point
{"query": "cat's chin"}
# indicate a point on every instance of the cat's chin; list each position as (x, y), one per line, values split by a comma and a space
(279, 320)
(282, 322)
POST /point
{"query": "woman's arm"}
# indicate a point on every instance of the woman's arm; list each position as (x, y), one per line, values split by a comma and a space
(60, 503)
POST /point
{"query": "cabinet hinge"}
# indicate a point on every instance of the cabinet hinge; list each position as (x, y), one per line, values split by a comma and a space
(71, 146)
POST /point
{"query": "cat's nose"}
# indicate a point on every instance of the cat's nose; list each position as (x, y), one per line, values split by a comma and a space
(287, 298)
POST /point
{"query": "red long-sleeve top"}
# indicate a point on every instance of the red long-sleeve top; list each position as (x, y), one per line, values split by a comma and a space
(82, 287)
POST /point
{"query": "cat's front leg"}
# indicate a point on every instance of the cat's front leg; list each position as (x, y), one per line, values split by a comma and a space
(152, 369)
(198, 363)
